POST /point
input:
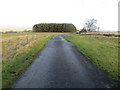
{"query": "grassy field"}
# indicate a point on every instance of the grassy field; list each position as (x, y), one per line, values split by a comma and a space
(28, 33)
(18, 51)
(108, 34)
(102, 51)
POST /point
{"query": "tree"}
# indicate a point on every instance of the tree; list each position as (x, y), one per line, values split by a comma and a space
(54, 27)
(90, 24)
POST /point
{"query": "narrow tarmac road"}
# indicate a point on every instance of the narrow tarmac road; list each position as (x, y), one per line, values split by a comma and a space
(61, 65)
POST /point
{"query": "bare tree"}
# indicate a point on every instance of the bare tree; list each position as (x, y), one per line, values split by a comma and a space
(90, 24)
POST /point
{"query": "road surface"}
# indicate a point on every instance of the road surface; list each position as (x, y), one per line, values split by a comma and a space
(61, 65)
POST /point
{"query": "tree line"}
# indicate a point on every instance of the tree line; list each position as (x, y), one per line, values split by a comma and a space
(54, 27)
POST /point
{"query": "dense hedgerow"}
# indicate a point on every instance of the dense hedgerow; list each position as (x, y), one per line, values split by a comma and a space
(54, 27)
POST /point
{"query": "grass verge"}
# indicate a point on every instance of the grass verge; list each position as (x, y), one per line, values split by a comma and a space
(11, 69)
(102, 51)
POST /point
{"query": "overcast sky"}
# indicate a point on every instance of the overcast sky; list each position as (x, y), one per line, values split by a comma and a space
(30, 12)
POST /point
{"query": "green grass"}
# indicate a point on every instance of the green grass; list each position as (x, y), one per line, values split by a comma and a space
(11, 69)
(102, 51)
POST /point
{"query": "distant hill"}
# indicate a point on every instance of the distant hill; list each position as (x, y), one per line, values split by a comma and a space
(14, 28)
(109, 31)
